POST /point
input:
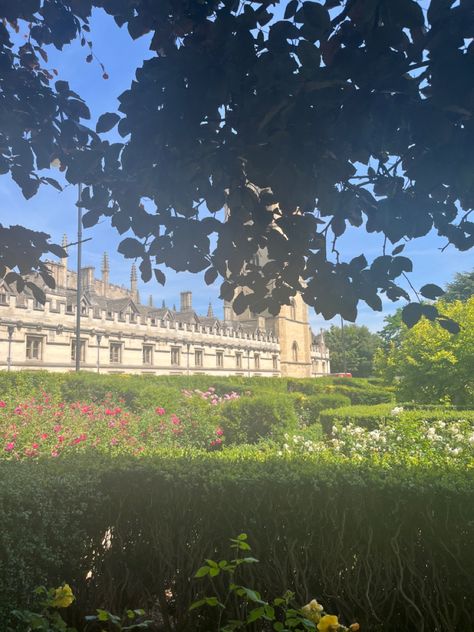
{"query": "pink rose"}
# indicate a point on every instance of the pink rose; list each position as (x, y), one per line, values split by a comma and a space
(2, 404)
(10, 446)
(160, 411)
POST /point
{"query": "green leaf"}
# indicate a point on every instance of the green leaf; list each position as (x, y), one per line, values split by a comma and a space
(106, 122)
(431, 291)
(197, 604)
(102, 615)
(449, 324)
(398, 249)
(255, 614)
(159, 276)
(412, 313)
(202, 572)
(291, 9)
(131, 248)
(210, 276)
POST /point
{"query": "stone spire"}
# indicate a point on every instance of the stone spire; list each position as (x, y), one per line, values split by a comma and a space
(210, 311)
(133, 283)
(163, 304)
(105, 274)
(174, 307)
(150, 300)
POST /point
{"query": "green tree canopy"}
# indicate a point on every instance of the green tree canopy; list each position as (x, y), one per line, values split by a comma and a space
(431, 365)
(352, 348)
(461, 288)
(302, 118)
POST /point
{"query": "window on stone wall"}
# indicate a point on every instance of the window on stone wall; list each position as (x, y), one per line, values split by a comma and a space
(324, 366)
(3, 298)
(34, 347)
(220, 359)
(238, 360)
(147, 354)
(37, 305)
(294, 351)
(73, 350)
(198, 357)
(175, 356)
(69, 308)
(256, 360)
(275, 362)
(293, 309)
(115, 352)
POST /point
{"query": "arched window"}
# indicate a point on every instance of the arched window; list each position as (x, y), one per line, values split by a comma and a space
(294, 351)
(293, 309)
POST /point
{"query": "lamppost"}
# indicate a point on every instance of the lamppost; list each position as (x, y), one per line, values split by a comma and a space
(99, 338)
(248, 362)
(79, 278)
(188, 345)
(10, 329)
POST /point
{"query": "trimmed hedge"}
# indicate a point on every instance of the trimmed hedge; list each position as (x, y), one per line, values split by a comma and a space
(309, 407)
(358, 390)
(249, 419)
(389, 547)
(373, 416)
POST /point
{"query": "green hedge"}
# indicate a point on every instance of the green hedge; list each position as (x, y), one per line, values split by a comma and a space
(138, 391)
(373, 416)
(309, 407)
(391, 548)
(249, 419)
(359, 390)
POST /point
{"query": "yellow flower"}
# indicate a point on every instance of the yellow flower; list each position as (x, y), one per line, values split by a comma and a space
(312, 610)
(62, 598)
(328, 623)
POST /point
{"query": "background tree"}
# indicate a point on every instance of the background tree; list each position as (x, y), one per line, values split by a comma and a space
(461, 288)
(430, 364)
(359, 345)
(303, 118)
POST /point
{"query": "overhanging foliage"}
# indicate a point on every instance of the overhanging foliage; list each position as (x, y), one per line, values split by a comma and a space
(303, 118)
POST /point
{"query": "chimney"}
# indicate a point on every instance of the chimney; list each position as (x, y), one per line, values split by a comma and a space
(87, 277)
(105, 274)
(186, 301)
(133, 284)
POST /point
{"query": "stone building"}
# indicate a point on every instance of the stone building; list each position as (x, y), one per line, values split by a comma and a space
(119, 334)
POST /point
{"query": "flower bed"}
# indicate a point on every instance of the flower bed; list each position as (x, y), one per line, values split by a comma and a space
(42, 427)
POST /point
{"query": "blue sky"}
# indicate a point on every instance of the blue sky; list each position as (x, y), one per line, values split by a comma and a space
(55, 212)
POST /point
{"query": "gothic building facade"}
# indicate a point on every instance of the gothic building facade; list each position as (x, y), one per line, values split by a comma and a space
(119, 334)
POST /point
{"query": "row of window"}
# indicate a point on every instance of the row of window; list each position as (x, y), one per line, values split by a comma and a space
(34, 351)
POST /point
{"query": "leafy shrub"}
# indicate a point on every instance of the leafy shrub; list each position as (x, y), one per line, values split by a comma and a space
(359, 390)
(247, 420)
(365, 396)
(344, 530)
(239, 607)
(309, 407)
(372, 417)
